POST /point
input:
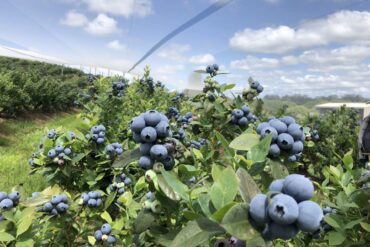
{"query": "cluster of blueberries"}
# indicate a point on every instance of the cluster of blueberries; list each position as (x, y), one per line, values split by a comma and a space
(242, 116)
(177, 97)
(315, 135)
(287, 136)
(8, 201)
(257, 86)
(180, 134)
(232, 242)
(57, 205)
(59, 151)
(212, 69)
(97, 134)
(114, 149)
(51, 134)
(91, 199)
(148, 129)
(149, 82)
(288, 211)
(120, 182)
(186, 119)
(104, 234)
(198, 144)
(151, 204)
(118, 88)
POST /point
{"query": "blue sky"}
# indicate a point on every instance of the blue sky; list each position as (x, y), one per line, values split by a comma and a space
(315, 47)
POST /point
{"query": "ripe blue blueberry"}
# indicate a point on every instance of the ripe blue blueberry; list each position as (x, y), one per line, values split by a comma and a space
(285, 141)
(277, 185)
(98, 235)
(91, 202)
(111, 240)
(292, 158)
(121, 191)
(245, 109)
(67, 151)
(283, 209)
(310, 216)
(261, 126)
(269, 130)
(145, 148)
(257, 209)
(47, 207)
(119, 151)
(297, 147)
(98, 202)
(61, 155)
(52, 153)
(127, 181)
(288, 120)
(85, 198)
(158, 152)
(51, 134)
(54, 211)
(6, 204)
(56, 199)
(274, 150)
(101, 134)
(163, 129)
(62, 207)
(110, 149)
(278, 125)
(93, 194)
(59, 149)
(137, 137)
(259, 89)
(150, 196)
(238, 113)
(215, 67)
(137, 124)
(148, 134)
(255, 84)
(14, 196)
(145, 162)
(275, 231)
(295, 130)
(3, 195)
(299, 187)
(152, 118)
(101, 128)
(106, 228)
(95, 137)
(243, 121)
(168, 163)
(100, 140)
(210, 69)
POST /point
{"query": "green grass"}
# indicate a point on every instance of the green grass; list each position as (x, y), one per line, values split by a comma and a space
(18, 140)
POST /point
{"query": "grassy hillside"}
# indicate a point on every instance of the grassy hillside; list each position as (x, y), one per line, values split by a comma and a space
(18, 139)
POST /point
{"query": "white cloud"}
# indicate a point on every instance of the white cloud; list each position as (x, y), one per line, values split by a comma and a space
(102, 25)
(169, 69)
(116, 45)
(74, 19)
(126, 8)
(174, 52)
(202, 59)
(251, 62)
(345, 27)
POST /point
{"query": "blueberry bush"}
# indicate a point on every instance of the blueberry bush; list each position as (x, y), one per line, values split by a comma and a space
(149, 167)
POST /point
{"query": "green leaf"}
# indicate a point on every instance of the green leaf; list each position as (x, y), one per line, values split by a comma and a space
(191, 236)
(245, 141)
(126, 158)
(361, 197)
(110, 199)
(25, 243)
(106, 216)
(6, 237)
(258, 241)
(204, 202)
(224, 189)
(25, 222)
(173, 181)
(237, 224)
(332, 220)
(348, 160)
(78, 157)
(351, 224)
(365, 226)
(278, 170)
(336, 238)
(91, 240)
(167, 189)
(143, 221)
(219, 214)
(259, 152)
(118, 224)
(225, 144)
(247, 186)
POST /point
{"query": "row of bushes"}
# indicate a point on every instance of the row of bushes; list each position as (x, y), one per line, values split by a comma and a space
(30, 86)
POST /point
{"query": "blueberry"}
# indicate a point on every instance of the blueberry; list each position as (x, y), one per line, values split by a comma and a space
(51, 134)
(146, 163)
(255, 84)
(59, 149)
(275, 231)
(119, 151)
(145, 148)
(297, 147)
(93, 194)
(98, 202)
(106, 228)
(250, 117)
(98, 235)
(149, 134)
(210, 69)
(6, 204)
(67, 151)
(91, 202)
(280, 126)
(189, 115)
(52, 153)
(34, 195)
(127, 181)
(56, 199)
(116, 145)
(288, 120)
(152, 118)
(257, 209)
(85, 198)
(234, 120)
(299, 187)
(14, 196)
(269, 130)
(158, 152)
(164, 117)
(283, 209)
(137, 137)
(101, 128)
(121, 191)
(238, 113)
(303, 137)
(163, 129)
(61, 155)
(243, 121)
(274, 150)
(292, 158)
(245, 109)
(295, 130)
(62, 207)
(215, 67)
(259, 89)
(100, 140)
(285, 141)
(137, 124)
(150, 196)
(277, 185)
(310, 216)
(110, 149)
(326, 210)
(54, 211)
(261, 126)
(101, 134)
(111, 240)
(168, 163)
(47, 207)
